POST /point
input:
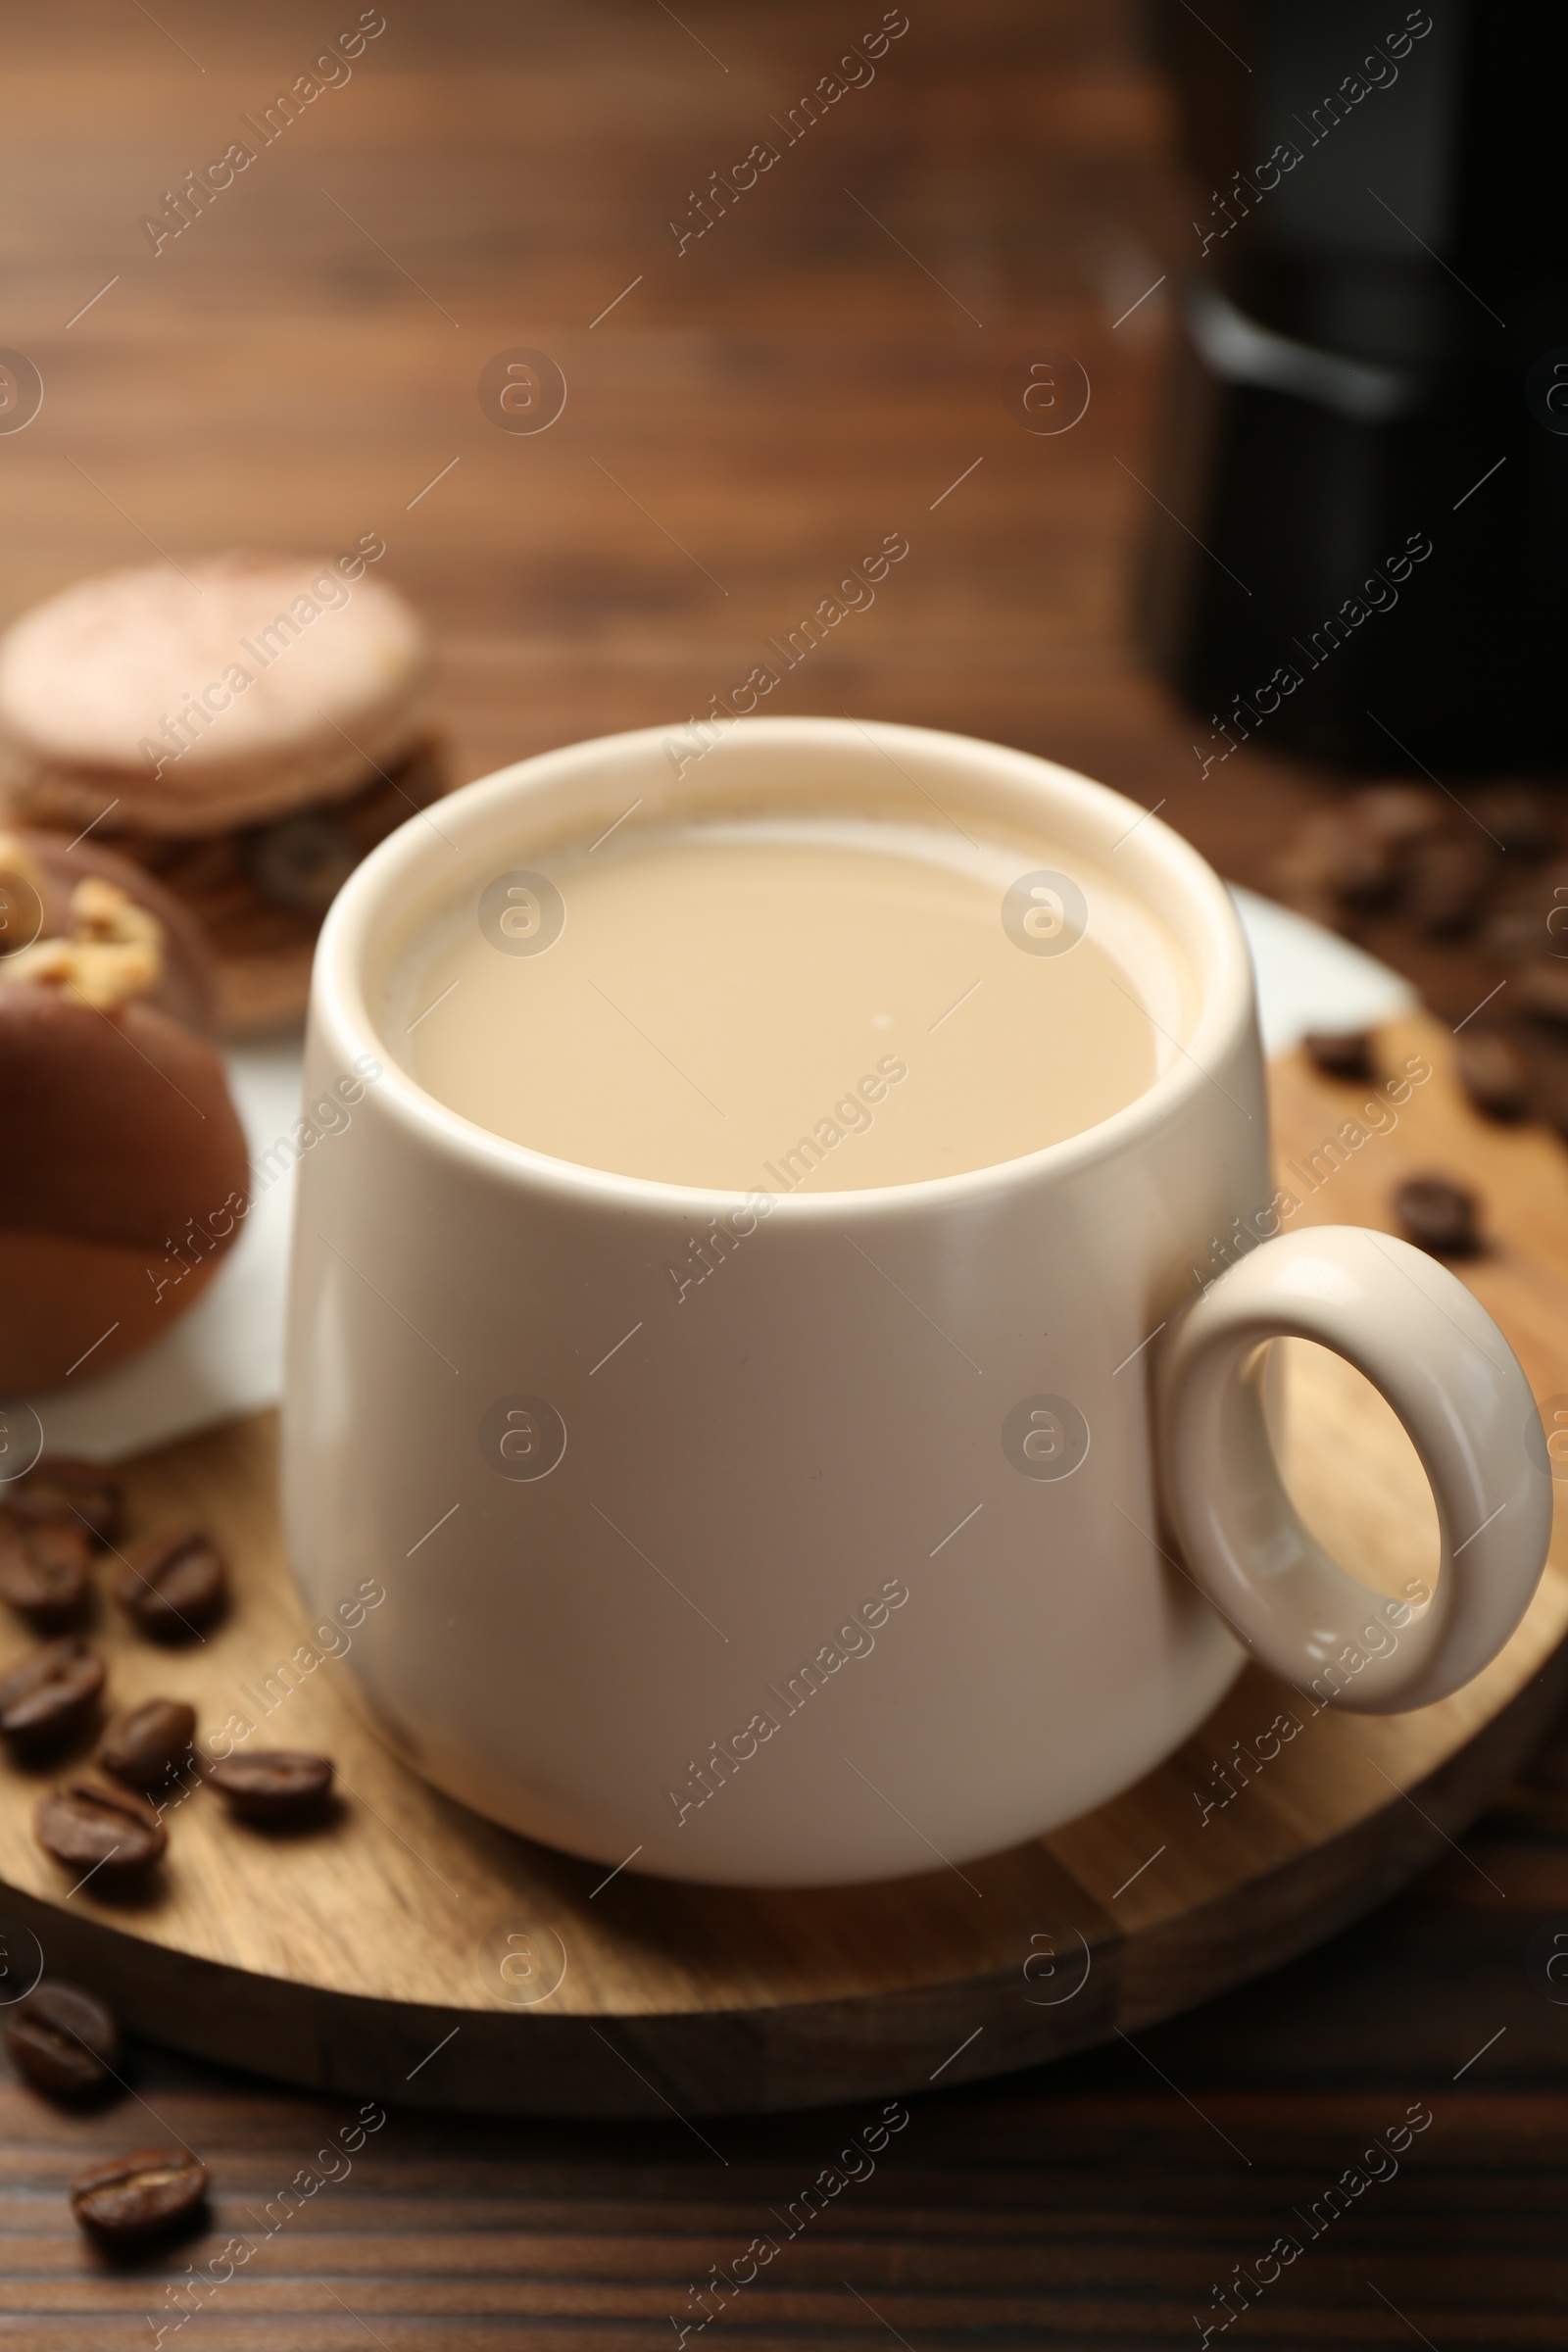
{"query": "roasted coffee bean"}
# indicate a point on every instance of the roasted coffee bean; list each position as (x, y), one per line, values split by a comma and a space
(1513, 934)
(145, 2194)
(1449, 877)
(45, 1569)
(1541, 990)
(108, 1832)
(1396, 814)
(50, 1696)
(1515, 816)
(1311, 900)
(173, 1585)
(278, 1785)
(1439, 1215)
(63, 2041)
(145, 1747)
(301, 863)
(1341, 1053)
(1492, 1072)
(61, 1487)
(1332, 853)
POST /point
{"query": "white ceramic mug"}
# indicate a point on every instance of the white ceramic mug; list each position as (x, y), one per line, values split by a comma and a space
(852, 1559)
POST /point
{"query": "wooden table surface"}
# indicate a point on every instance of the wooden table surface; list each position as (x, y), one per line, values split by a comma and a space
(837, 357)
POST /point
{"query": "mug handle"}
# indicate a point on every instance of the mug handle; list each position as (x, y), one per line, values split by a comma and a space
(1438, 1358)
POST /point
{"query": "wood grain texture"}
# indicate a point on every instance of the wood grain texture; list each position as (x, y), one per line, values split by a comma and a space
(409, 1949)
(301, 364)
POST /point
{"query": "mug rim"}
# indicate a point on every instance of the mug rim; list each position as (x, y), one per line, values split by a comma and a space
(338, 1005)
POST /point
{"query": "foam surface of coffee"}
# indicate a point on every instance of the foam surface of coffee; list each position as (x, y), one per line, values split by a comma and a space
(807, 1003)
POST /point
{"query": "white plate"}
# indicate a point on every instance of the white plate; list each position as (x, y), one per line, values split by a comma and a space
(226, 1356)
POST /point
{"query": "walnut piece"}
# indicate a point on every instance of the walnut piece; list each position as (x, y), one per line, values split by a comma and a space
(114, 949)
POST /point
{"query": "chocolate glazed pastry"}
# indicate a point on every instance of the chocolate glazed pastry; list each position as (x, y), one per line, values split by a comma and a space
(128, 1173)
(38, 875)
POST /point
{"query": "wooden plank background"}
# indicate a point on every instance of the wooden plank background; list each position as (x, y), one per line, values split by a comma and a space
(822, 368)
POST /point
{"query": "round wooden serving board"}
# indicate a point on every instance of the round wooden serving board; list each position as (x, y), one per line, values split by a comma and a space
(411, 1950)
